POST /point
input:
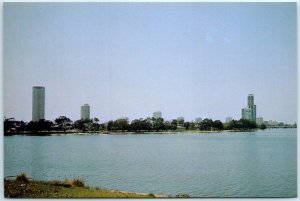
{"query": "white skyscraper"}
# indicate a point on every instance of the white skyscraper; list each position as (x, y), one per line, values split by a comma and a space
(38, 103)
(85, 111)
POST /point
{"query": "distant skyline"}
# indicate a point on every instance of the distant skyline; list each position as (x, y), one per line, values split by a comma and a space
(132, 59)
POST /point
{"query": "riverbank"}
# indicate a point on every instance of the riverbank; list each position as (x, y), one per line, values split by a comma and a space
(49, 133)
(23, 187)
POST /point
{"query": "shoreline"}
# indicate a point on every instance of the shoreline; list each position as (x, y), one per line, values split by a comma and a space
(50, 133)
(24, 187)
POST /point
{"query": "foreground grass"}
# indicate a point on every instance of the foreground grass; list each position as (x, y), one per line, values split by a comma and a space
(22, 187)
(42, 189)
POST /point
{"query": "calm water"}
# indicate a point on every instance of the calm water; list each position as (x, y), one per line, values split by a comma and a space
(254, 164)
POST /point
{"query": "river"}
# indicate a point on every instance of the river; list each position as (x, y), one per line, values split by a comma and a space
(226, 164)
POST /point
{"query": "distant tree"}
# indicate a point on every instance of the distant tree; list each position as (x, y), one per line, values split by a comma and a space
(187, 125)
(206, 124)
(147, 124)
(94, 124)
(96, 120)
(136, 125)
(242, 124)
(20, 126)
(83, 124)
(167, 125)
(192, 126)
(101, 126)
(121, 124)
(8, 124)
(63, 122)
(157, 124)
(37, 126)
(110, 125)
(174, 124)
(217, 124)
(180, 122)
(263, 126)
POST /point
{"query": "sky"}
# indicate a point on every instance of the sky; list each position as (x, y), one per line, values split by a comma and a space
(132, 59)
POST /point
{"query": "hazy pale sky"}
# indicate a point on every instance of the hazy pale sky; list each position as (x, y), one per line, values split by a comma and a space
(131, 59)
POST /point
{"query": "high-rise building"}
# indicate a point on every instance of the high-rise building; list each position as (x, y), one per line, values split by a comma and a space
(249, 112)
(228, 119)
(157, 114)
(180, 118)
(198, 120)
(180, 121)
(85, 111)
(38, 103)
(259, 120)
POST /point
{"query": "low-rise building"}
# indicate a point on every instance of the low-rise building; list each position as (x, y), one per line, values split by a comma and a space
(259, 121)
(228, 119)
(157, 115)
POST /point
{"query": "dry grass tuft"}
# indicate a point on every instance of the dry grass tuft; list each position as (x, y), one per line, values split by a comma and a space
(68, 183)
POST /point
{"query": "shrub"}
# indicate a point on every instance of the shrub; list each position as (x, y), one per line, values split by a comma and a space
(78, 182)
(65, 183)
(22, 178)
(182, 196)
(151, 195)
(68, 183)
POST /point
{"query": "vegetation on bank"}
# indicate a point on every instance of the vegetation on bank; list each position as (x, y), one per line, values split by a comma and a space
(64, 124)
(24, 187)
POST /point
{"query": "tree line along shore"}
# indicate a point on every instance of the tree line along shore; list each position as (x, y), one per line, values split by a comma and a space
(63, 124)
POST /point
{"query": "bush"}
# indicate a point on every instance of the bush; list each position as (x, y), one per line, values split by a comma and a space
(22, 178)
(68, 183)
(151, 195)
(78, 182)
(182, 196)
(65, 183)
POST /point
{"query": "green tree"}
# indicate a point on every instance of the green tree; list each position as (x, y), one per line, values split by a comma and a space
(180, 122)
(63, 122)
(136, 125)
(242, 124)
(157, 124)
(121, 124)
(8, 124)
(94, 124)
(167, 125)
(263, 126)
(174, 124)
(37, 126)
(217, 124)
(206, 124)
(83, 124)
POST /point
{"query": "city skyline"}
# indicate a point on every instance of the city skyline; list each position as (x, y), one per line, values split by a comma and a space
(38, 110)
(127, 59)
